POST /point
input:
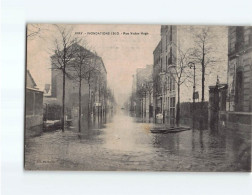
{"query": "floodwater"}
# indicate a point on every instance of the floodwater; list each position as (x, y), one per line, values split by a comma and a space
(126, 145)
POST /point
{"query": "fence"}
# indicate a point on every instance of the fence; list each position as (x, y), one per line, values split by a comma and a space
(200, 114)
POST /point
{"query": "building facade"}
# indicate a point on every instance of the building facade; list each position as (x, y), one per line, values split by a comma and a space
(239, 95)
(163, 74)
(239, 69)
(93, 90)
(234, 102)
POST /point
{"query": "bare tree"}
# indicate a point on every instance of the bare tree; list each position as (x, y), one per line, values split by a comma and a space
(102, 92)
(35, 30)
(180, 73)
(203, 53)
(91, 71)
(78, 66)
(141, 93)
(64, 55)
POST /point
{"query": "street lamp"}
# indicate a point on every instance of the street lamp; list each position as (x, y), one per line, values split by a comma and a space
(192, 65)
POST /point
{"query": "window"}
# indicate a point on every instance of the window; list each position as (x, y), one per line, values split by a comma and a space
(172, 107)
(166, 63)
(173, 83)
(168, 103)
(170, 33)
(239, 91)
(239, 38)
(166, 38)
(170, 83)
(161, 65)
(170, 59)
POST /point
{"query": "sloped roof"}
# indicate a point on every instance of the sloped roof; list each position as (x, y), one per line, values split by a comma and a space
(30, 76)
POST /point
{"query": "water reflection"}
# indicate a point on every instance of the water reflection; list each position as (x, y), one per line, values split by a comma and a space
(125, 143)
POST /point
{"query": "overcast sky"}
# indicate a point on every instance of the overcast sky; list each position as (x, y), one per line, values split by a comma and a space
(122, 54)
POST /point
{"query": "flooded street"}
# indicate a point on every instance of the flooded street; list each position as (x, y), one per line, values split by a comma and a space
(124, 144)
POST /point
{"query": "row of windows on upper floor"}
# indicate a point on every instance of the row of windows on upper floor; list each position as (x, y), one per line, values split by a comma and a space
(168, 59)
(240, 38)
(168, 85)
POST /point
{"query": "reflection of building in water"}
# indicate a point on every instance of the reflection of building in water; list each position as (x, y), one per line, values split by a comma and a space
(235, 100)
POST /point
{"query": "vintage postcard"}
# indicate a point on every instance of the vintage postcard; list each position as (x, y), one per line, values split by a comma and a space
(138, 98)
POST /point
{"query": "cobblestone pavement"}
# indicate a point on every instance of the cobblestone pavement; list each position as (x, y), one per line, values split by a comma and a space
(124, 144)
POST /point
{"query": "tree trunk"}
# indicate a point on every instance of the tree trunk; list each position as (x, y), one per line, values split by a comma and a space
(145, 105)
(80, 106)
(149, 105)
(203, 85)
(142, 107)
(89, 104)
(203, 73)
(178, 107)
(63, 100)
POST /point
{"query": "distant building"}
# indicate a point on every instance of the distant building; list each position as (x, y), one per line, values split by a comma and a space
(33, 107)
(144, 92)
(157, 92)
(133, 96)
(47, 90)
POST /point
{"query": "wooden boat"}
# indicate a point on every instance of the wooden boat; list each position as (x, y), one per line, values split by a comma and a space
(169, 130)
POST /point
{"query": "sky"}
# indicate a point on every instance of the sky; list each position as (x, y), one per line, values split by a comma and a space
(123, 48)
(122, 53)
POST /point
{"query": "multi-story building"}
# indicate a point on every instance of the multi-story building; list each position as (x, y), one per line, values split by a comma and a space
(232, 103)
(157, 92)
(163, 73)
(94, 91)
(239, 69)
(239, 95)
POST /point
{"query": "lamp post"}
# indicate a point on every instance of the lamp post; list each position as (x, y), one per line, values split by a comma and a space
(192, 65)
